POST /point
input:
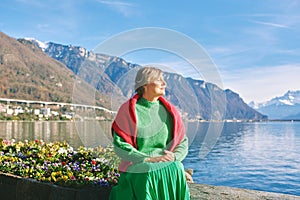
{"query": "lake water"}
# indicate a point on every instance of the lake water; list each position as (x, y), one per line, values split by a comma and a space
(261, 156)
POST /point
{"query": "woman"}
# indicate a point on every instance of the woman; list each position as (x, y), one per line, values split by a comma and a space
(150, 138)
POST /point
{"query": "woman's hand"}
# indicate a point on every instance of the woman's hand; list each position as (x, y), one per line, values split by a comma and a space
(167, 157)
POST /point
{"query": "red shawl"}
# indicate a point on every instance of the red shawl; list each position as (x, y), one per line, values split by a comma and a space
(125, 125)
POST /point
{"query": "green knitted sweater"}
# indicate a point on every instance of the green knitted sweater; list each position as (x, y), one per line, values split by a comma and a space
(154, 125)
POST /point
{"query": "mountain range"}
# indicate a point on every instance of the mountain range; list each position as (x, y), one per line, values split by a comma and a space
(26, 72)
(31, 69)
(285, 107)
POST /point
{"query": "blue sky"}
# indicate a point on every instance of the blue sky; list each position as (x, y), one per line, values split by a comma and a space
(255, 44)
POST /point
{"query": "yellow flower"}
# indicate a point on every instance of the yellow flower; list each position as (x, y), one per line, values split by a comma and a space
(53, 176)
(70, 174)
(65, 178)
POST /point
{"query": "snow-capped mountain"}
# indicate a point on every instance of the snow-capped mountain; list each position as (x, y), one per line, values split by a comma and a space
(283, 107)
(42, 45)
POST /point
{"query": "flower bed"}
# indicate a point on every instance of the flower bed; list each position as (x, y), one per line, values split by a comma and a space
(59, 163)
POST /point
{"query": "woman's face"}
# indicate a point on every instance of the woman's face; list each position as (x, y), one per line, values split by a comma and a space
(156, 88)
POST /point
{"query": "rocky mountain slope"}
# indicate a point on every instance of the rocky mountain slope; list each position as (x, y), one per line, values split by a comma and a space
(195, 98)
(26, 72)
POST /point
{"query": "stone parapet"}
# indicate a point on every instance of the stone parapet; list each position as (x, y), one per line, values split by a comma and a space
(209, 192)
(18, 188)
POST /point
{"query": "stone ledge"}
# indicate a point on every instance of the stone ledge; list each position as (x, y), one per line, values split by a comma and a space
(18, 188)
(203, 192)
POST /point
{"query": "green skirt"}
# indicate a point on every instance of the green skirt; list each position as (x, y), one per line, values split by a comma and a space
(152, 181)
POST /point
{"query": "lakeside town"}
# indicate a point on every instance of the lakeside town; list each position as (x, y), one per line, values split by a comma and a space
(21, 112)
(16, 109)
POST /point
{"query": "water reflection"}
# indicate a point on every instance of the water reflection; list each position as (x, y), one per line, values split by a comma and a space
(86, 133)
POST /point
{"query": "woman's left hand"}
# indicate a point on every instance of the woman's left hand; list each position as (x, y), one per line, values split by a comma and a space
(167, 157)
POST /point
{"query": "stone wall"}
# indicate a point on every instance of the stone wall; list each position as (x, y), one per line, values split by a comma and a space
(17, 188)
(203, 192)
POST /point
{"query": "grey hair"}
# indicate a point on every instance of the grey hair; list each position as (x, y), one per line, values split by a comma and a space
(146, 75)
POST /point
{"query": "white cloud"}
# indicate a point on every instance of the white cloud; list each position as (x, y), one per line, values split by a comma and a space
(125, 8)
(263, 83)
(276, 25)
(229, 52)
